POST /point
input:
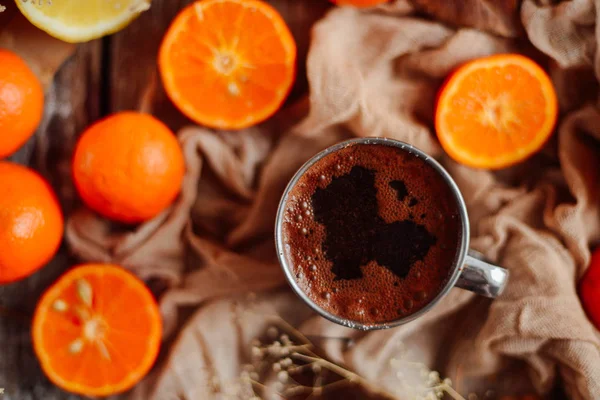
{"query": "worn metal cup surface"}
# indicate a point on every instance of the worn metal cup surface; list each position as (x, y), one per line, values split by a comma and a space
(470, 271)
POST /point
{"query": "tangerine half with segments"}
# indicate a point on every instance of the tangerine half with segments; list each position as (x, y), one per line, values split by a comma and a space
(228, 64)
(97, 330)
(496, 111)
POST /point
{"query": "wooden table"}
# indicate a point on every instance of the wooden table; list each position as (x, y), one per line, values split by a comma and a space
(102, 77)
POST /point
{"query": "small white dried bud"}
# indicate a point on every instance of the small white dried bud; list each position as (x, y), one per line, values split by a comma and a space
(286, 362)
(433, 378)
(276, 367)
(285, 339)
(254, 376)
(316, 368)
(424, 372)
(283, 376)
(274, 351)
(257, 352)
(272, 332)
(245, 375)
(278, 386)
(448, 382)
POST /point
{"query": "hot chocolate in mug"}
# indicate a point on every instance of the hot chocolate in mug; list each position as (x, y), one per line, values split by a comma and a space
(372, 233)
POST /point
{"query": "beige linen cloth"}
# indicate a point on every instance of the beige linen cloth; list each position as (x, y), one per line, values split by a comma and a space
(376, 73)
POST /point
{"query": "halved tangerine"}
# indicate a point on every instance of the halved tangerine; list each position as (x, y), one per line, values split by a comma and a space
(496, 111)
(97, 330)
(228, 64)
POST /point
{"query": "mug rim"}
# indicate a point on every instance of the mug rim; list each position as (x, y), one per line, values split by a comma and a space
(461, 254)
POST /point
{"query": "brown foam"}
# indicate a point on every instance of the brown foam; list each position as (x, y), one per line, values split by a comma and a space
(379, 296)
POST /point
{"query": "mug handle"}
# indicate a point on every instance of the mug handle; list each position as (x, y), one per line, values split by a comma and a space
(481, 277)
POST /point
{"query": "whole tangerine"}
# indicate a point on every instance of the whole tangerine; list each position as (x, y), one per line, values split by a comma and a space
(21, 102)
(31, 222)
(128, 167)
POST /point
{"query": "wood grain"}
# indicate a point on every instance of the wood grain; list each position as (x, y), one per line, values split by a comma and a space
(103, 76)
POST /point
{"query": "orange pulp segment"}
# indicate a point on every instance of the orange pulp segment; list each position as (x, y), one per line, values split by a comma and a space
(495, 111)
(97, 330)
(228, 64)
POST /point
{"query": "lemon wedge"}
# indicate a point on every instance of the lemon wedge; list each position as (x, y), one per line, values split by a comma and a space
(77, 21)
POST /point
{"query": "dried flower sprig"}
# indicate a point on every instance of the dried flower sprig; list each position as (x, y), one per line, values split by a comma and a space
(285, 364)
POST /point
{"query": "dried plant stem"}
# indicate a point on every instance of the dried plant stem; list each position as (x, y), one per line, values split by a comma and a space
(302, 347)
(284, 325)
(299, 369)
(320, 389)
(289, 352)
(266, 388)
(448, 389)
(350, 376)
(314, 390)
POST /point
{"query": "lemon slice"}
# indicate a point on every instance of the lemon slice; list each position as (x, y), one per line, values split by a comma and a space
(81, 20)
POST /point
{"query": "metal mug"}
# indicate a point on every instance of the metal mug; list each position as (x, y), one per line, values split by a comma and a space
(470, 272)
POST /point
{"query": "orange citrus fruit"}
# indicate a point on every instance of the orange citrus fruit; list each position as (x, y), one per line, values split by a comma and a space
(31, 222)
(97, 330)
(359, 3)
(495, 111)
(21, 102)
(228, 64)
(77, 21)
(128, 167)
